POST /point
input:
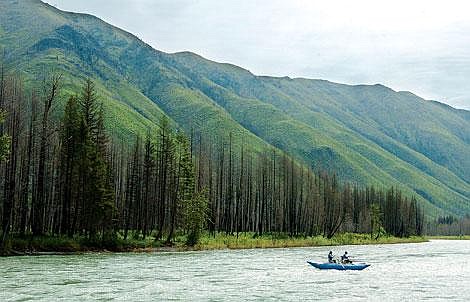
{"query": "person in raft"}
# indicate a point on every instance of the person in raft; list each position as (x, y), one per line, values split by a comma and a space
(331, 257)
(345, 258)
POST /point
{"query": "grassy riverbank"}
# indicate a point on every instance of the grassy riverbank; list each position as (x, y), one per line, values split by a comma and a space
(38, 245)
(64, 244)
(244, 241)
(463, 237)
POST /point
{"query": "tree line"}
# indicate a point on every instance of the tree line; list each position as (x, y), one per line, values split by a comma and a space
(61, 174)
(449, 226)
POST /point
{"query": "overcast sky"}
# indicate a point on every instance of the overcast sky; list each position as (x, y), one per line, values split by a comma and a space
(420, 46)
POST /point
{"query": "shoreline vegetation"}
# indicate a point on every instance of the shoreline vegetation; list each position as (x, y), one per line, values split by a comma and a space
(60, 245)
(449, 237)
(57, 245)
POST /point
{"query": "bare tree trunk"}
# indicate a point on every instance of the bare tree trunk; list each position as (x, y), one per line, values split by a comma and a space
(51, 94)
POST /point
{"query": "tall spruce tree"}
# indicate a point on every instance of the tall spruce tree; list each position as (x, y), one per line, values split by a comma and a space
(166, 155)
(196, 213)
(148, 178)
(96, 184)
(70, 147)
(184, 185)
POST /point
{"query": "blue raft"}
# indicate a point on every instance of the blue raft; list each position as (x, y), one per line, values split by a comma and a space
(339, 266)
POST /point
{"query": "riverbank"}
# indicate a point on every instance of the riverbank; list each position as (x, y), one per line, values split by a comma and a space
(66, 245)
(247, 241)
(463, 237)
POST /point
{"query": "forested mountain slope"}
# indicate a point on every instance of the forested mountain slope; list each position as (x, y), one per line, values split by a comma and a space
(367, 133)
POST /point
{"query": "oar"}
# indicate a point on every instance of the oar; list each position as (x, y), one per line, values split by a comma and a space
(339, 261)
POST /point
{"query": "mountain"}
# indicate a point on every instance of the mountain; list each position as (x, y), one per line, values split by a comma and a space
(368, 134)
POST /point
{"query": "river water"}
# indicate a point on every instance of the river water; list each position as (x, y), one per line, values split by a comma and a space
(437, 270)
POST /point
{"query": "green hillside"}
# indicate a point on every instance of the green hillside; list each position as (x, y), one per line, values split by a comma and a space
(366, 133)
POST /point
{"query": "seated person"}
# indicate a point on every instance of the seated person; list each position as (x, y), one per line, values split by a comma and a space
(330, 257)
(345, 258)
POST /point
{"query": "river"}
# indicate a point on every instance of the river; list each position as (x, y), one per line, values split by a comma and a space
(436, 270)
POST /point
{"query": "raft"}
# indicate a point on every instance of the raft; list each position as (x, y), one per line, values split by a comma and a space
(339, 266)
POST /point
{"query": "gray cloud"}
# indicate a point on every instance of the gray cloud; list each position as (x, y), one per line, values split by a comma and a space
(422, 47)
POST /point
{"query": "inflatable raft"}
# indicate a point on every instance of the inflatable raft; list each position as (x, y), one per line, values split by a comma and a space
(339, 266)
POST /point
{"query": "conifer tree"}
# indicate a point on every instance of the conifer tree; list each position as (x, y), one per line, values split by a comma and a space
(196, 212)
(184, 186)
(148, 178)
(375, 221)
(97, 192)
(166, 155)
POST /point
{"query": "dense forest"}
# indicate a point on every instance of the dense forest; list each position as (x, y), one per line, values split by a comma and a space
(62, 174)
(449, 226)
